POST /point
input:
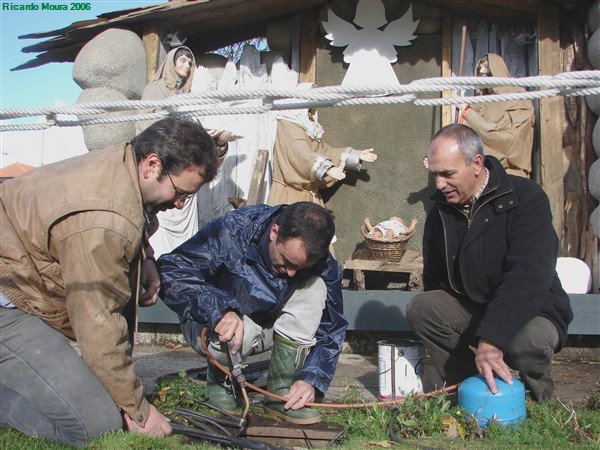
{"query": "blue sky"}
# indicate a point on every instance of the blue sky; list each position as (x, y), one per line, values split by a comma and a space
(47, 85)
(51, 84)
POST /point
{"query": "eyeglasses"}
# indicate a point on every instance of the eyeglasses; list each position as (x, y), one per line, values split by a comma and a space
(178, 194)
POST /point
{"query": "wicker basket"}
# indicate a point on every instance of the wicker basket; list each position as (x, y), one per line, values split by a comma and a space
(382, 249)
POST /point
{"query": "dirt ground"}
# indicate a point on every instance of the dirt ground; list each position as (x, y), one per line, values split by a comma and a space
(576, 373)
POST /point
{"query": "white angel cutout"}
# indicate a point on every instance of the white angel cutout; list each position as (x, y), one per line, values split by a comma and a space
(369, 50)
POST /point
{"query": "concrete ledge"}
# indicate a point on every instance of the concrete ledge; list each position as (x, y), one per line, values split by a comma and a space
(386, 311)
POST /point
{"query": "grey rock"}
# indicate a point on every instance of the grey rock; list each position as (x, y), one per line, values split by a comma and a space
(595, 221)
(100, 136)
(594, 179)
(116, 59)
(593, 102)
(594, 50)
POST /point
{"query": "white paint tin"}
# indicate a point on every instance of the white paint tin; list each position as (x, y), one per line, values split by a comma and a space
(399, 366)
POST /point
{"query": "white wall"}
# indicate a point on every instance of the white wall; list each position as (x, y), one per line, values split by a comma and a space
(36, 148)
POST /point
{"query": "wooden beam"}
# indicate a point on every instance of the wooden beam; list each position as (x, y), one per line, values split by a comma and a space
(151, 41)
(258, 178)
(551, 116)
(446, 62)
(308, 47)
(509, 12)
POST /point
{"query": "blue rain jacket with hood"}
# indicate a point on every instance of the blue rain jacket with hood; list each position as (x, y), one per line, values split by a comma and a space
(220, 269)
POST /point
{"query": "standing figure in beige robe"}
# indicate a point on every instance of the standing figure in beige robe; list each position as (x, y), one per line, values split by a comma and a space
(506, 128)
(303, 164)
(174, 77)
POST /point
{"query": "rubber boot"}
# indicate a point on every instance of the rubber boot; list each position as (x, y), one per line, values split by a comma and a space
(285, 362)
(220, 389)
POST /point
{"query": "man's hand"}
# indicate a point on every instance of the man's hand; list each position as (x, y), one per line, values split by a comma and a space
(157, 425)
(490, 360)
(336, 173)
(150, 282)
(368, 155)
(231, 327)
(299, 395)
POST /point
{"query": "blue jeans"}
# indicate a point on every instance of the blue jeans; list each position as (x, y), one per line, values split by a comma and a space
(46, 389)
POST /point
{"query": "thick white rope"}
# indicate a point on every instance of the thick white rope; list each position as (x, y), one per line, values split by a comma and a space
(231, 101)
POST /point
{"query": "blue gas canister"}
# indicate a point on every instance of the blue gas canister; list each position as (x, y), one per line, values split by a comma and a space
(507, 407)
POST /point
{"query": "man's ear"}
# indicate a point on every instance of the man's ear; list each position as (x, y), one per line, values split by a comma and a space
(479, 163)
(273, 232)
(151, 165)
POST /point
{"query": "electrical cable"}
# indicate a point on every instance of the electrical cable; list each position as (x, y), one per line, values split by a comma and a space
(202, 432)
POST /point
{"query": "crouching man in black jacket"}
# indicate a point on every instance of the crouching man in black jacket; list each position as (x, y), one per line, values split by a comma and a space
(489, 253)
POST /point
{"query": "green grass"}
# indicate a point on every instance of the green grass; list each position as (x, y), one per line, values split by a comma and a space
(431, 422)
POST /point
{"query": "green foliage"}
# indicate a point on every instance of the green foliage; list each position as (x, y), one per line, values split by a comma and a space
(416, 417)
(368, 423)
(420, 417)
(549, 423)
(179, 392)
(435, 422)
(422, 421)
(14, 440)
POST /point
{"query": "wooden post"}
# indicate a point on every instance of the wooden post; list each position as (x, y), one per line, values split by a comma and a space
(308, 47)
(446, 62)
(551, 116)
(151, 41)
(258, 178)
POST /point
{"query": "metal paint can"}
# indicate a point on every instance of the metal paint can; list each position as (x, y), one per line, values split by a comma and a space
(507, 407)
(400, 367)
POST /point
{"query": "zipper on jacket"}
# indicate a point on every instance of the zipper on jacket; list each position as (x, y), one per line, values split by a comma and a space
(469, 221)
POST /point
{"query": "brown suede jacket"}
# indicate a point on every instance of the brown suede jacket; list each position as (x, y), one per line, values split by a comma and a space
(70, 248)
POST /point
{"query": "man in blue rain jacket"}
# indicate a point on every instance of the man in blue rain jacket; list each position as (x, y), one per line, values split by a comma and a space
(262, 277)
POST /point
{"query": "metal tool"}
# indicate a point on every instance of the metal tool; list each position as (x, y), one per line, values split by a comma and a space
(236, 364)
(236, 371)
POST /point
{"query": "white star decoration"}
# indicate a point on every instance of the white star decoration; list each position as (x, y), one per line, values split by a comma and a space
(369, 50)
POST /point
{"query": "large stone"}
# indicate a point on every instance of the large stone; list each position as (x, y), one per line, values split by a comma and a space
(593, 102)
(594, 179)
(595, 221)
(115, 59)
(594, 50)
(594, 16)
(101, 136)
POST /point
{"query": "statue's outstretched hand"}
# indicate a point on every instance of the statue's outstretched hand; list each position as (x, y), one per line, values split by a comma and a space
(368, 155)
(336, 173)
